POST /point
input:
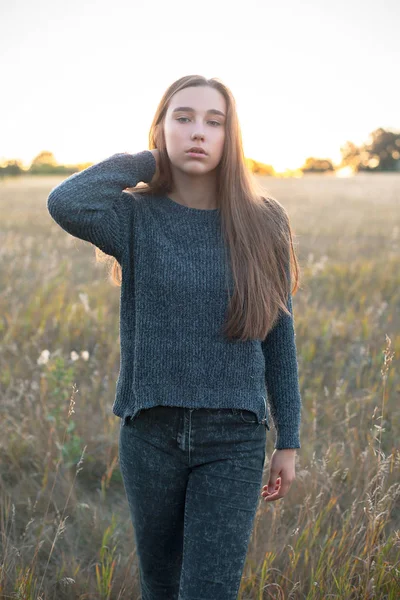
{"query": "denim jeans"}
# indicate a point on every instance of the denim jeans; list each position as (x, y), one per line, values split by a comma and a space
(193, 482)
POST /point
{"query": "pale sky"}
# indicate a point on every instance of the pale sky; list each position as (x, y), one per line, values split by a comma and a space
(83, 79)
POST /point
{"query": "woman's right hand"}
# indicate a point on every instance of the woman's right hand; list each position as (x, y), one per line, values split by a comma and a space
(155, 152)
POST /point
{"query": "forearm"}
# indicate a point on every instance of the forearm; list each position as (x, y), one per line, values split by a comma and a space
(282, 381)
(90, 204)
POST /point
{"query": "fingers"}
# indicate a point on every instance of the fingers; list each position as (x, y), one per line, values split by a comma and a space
(273, 483)
(271, 491)
(272, 497)
(279, 490)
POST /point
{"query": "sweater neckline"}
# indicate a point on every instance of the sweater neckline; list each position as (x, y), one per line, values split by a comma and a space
(177, 207)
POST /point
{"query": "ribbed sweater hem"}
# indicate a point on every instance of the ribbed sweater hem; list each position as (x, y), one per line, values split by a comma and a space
(129, 403)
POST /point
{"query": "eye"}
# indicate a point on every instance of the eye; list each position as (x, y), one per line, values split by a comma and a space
(216, 122)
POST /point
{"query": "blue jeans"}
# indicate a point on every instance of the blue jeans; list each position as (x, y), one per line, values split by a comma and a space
(193, 482)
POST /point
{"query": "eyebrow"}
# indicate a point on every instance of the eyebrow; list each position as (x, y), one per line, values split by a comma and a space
(212, 111)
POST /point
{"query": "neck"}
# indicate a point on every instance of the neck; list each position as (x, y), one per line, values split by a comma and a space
(195, 191)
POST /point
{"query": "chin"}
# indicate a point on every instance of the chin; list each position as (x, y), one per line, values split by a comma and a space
(195, 165)
(201, 170)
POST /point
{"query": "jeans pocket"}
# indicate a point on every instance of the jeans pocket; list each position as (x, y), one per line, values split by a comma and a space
(244, 416)
(248, 416)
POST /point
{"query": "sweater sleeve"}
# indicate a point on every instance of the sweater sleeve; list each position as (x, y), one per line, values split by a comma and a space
(91, 204)
(282, 383)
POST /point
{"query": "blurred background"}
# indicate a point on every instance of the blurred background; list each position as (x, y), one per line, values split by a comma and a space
(315, 82)
(317, 91)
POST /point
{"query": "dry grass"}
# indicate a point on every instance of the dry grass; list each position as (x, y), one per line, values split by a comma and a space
(64, 521)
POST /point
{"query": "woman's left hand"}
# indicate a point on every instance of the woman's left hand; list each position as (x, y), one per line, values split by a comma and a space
(281, 474)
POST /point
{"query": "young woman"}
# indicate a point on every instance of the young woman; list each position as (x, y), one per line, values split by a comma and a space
(205, 265)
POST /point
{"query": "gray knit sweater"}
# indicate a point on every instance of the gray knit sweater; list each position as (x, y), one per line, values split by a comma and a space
(173, 301)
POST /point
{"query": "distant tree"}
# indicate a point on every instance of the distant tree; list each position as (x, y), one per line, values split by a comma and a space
(11, 167)
(385, 147)
(45, 158)
(381, 152)
(351, 156)
(259, 168)
(43, 163)
(317, 165)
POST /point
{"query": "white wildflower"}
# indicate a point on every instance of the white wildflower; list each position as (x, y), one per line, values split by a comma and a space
(44, 357)
(316, 267)
(85, 355)
(85, 301)
(67, 580)
(74, 355)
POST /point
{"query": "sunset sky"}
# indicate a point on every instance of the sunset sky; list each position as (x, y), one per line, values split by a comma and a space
(83, 80)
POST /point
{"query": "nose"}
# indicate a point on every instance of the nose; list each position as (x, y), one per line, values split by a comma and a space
(197, 135)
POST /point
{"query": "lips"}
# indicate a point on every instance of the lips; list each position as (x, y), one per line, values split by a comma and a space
(197, 150)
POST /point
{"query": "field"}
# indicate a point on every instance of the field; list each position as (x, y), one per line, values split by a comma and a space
(65, 530)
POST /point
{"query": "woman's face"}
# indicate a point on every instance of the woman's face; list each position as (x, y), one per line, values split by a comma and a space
(200, 126)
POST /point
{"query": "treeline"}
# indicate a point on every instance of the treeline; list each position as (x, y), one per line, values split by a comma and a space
(381, 152)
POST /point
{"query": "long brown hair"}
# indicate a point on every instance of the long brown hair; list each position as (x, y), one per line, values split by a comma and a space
(256, 229)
